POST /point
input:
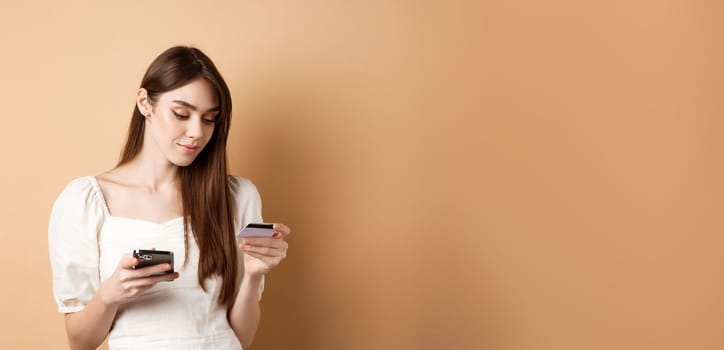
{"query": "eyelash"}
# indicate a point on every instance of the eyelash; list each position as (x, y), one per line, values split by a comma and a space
(184, 117)
(180, 116)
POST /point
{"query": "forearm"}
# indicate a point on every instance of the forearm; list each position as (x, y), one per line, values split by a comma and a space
(245, 313)
(86, 329)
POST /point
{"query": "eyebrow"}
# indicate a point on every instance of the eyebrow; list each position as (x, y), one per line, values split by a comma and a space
(192, 107)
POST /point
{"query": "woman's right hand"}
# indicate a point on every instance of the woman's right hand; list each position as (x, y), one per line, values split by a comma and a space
(126, 282)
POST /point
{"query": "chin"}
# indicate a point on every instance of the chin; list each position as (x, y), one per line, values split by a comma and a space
(182, 162)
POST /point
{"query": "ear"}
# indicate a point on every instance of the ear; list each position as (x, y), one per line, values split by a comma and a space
(143, 103)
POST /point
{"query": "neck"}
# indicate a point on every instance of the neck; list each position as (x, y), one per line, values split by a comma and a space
(152, 170)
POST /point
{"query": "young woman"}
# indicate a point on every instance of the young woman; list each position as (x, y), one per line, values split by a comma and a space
(170, 191)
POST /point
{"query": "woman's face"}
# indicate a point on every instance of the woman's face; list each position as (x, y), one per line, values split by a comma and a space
(181, 121)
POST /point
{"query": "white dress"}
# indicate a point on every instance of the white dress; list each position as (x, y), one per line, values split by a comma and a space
(86, 243)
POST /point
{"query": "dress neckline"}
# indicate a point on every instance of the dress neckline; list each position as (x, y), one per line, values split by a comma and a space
(107, 212)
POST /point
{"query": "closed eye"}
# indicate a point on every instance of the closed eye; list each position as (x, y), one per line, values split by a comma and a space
(180, 116)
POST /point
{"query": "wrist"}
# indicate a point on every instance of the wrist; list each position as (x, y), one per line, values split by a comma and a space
(250, 288)
(251, 277)
(105, 299)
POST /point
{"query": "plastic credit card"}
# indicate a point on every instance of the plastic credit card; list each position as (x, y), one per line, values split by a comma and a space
(256, 230)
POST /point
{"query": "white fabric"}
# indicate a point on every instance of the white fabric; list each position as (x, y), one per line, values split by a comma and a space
(86, 243)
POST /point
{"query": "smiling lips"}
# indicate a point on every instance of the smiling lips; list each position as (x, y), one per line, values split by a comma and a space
(188, 149)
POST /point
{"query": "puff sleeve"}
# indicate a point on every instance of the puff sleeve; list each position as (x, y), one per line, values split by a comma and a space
(247, 202)
(75, 221)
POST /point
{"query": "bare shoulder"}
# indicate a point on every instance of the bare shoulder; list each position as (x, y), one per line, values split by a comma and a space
(114, 183)
(113, 178)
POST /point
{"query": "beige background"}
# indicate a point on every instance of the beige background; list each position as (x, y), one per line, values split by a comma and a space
(505, 175)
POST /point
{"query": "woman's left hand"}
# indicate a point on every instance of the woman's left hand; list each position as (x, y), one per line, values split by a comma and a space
(261, 254)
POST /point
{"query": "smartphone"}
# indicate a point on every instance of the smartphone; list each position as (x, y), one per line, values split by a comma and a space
(256, 230)
(153, 257)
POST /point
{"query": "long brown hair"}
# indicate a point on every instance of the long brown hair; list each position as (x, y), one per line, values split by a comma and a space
(208, 209)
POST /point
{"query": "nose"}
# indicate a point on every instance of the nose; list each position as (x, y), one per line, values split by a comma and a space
(194, 128)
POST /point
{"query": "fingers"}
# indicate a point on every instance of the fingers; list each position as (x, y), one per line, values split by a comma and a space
(147, 276)
(127, 283)
(135, 287)
(268, 260)
(150, 281)
(265, 246)
(265, 251)
(282, 230)
(156, 269)
(153, 270)
(263, 242)
(128, 261)
(143, 272)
